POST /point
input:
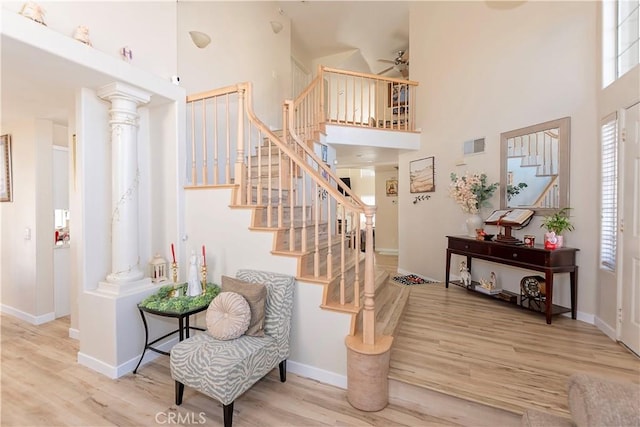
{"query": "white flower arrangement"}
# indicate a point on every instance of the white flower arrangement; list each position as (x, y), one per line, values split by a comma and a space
(471, 191)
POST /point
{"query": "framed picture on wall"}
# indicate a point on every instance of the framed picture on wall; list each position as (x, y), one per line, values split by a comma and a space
(398, 94)
(324, 152)
(6, 190)
(392, 187)
(421, 175)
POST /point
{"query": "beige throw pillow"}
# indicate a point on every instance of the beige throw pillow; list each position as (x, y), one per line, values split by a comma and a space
(228, 316)
(256, 296)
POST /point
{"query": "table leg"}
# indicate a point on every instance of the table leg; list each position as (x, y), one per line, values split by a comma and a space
(573, 275)
(548, 277)
(181, 328)
(446, 272)
(186, 328)
(146, 340)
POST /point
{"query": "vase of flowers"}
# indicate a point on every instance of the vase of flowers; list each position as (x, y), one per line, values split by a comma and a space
(472, 191)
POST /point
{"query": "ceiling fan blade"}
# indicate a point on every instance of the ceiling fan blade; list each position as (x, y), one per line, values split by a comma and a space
(387, 61)
(405, 56)
(405, 73)
(385, 70)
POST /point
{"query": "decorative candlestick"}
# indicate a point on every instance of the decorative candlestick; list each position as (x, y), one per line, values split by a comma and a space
(174, 271)
(203, 277)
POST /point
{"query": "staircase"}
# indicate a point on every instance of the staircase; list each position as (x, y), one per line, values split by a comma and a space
(292, 194)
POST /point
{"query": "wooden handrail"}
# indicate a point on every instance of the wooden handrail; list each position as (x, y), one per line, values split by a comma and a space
(324, 69)
(217, 92)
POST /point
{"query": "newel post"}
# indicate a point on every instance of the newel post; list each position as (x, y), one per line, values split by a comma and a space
(323, 112)
(368, 356)
(369, 314)
(239, 170)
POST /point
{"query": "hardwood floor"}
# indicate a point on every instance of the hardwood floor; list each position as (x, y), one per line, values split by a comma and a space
(42, 385)
(484, 350)
(453, 350)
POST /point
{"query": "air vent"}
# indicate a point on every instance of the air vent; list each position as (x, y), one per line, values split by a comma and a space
(474, 146)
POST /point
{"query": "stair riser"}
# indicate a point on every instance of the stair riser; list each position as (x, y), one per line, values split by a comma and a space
(284, 237)
(333, 291)
(307, 261)
(262, 216)
(275, 194)
(264, 170)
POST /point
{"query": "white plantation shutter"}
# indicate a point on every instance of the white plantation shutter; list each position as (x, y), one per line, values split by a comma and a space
(609, 192)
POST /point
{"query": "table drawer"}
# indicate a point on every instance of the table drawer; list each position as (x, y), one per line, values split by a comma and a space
(525, 255)
(468, 245)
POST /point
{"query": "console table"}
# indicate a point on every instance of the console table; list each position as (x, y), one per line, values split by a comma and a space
(537, 258)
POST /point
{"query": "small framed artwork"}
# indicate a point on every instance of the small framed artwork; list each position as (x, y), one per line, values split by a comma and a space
(400, 110)
(421, 175)
(6, 191)
(398, 94)
(324, 151)
(392, 187)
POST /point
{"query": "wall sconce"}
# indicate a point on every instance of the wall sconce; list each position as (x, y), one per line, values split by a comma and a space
(200, 39)
(276, 27)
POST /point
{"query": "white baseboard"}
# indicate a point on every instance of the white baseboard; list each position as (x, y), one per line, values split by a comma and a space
(114, 372)
(605, 328)
(30, 318)
(317, 374)
(387, 251)
(97, 365)
(74, 333)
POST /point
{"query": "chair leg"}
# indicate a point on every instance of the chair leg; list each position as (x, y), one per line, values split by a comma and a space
(283, 371)
(179, 392)
(227, 411)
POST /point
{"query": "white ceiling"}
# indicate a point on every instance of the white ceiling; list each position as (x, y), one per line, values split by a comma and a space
(378, 29)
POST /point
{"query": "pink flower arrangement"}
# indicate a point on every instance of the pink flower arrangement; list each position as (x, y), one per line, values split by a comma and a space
(471, 191)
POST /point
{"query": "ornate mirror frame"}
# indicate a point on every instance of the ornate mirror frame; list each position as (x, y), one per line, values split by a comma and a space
(543, 150)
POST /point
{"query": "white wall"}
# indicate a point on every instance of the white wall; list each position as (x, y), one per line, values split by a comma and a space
(148, 28)
(27, 224)
(484, 71)
(317, 335)
(387, 213)
(243, 49)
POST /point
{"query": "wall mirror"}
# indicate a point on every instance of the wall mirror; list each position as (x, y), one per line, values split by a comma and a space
(534, 167)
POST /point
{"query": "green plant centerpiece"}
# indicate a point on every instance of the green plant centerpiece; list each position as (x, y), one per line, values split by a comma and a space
(164, 301)
(556, 224)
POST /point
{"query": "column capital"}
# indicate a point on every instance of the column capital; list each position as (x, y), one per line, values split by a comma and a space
(120, 90)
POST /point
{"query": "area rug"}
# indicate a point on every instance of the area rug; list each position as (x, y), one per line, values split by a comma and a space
(412, 279)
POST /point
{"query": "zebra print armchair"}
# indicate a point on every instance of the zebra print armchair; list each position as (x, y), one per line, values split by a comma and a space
(224, 370)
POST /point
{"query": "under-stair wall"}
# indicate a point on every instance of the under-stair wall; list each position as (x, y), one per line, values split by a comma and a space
(317, 335)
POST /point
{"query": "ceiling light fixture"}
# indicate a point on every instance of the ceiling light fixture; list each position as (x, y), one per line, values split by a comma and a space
(276, 27)
(200, 39)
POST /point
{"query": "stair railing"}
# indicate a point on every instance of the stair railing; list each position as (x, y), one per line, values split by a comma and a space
(341, 196)
(285, 182)
(351, 98)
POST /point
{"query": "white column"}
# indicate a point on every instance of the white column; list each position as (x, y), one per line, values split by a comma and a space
(125, 179)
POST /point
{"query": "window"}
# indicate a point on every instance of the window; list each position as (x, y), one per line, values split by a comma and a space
(609, 192)
(620, 38)
(628, 32)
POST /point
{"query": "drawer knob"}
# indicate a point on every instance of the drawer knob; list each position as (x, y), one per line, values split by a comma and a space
(466, 246)
(515, 255)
